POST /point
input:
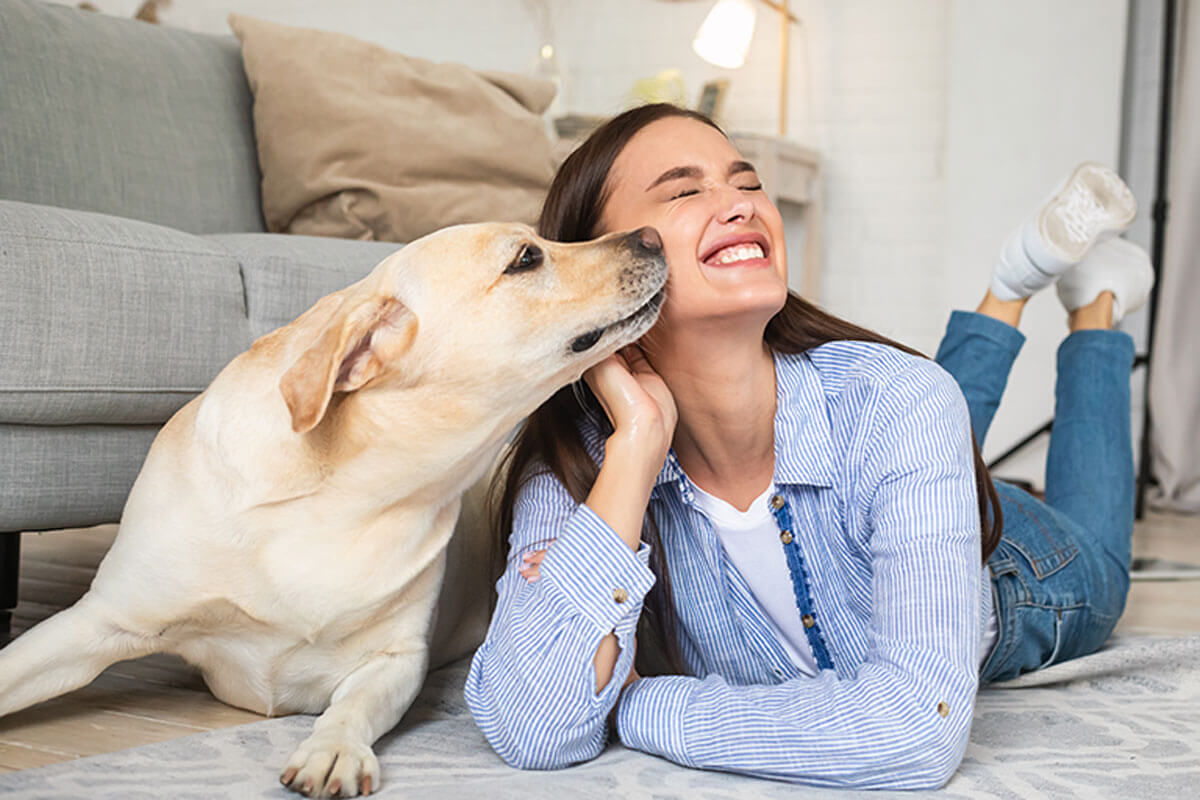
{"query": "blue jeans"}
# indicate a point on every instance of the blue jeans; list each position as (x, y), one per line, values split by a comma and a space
(1061, 571)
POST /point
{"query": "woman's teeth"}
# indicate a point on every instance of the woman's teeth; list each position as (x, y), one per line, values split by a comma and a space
(738, 252)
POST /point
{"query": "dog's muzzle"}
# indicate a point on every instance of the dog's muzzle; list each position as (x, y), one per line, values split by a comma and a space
(647, 274)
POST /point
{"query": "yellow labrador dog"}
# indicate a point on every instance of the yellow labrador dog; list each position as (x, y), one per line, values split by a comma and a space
(287, 532)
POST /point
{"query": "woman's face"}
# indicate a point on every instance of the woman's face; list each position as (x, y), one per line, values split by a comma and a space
(722, 236)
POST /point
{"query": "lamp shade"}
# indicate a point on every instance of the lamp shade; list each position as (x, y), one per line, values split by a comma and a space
(724, 36)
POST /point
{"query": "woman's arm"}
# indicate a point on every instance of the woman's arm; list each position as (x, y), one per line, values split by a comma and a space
(542, 684)
(619, 497)
(534, 688)
(902, 720)
(643, 415)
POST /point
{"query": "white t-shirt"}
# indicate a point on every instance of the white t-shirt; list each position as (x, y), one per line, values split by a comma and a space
(751, 540)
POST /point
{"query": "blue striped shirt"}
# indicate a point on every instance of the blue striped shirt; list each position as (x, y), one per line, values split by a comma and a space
(873, 458)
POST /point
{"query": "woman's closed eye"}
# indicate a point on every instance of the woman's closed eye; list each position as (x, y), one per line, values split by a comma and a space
(688, 192)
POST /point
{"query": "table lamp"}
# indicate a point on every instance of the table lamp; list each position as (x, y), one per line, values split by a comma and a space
(724, 38)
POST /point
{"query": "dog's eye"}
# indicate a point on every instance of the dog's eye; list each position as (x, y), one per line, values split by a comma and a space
(529, 258)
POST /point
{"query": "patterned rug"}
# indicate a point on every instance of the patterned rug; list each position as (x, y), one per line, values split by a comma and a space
(1123, 723)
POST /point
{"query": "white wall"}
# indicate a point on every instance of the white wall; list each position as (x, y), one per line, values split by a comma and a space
(1035, 88)
(942, 123)
(877, 112)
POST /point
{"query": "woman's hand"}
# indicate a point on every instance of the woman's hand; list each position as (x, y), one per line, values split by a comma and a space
(637, 402)
(532, 562)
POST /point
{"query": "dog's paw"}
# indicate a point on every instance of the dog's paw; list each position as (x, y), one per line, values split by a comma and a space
(330, 766)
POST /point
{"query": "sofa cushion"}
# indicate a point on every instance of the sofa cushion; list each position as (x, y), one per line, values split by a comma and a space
(110, 320)
(117, 116)
(67, 476)
(360, 142)
(284, 275)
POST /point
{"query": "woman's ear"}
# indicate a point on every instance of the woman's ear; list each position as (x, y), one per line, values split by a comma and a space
(345, 357)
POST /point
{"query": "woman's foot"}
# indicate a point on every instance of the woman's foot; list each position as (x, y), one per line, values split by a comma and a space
(1114, 266)
(1091, 205)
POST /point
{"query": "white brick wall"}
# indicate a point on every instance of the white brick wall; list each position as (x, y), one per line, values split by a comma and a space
(878, 98)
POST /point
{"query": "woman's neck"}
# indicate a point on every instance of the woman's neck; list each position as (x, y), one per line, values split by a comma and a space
(724, 388)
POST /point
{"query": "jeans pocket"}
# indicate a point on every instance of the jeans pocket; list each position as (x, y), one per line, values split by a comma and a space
(1054, 601)
(1031, 631)
(1041, 536)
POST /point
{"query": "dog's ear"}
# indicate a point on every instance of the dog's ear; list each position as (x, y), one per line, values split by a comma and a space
(345, 356)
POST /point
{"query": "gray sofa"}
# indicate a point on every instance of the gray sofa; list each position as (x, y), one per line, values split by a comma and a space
(133, 259)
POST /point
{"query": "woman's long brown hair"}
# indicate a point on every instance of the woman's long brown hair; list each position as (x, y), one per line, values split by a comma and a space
(550, 440)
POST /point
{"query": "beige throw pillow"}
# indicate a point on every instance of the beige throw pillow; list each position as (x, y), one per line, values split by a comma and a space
(360, 142)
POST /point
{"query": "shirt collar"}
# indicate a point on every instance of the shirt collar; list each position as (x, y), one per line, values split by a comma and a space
(803, 440)
(671, 471)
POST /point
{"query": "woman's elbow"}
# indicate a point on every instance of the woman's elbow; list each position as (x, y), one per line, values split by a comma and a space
(920, 759)
(529, 741)
(534, 756)
(534, 749)
(938, 758)
(933, 775)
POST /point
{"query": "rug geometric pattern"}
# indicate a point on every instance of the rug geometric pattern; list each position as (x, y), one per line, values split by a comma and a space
(1121, 723)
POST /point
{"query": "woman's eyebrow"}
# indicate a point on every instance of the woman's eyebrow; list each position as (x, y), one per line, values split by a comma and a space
(739, 166)
(675, 173)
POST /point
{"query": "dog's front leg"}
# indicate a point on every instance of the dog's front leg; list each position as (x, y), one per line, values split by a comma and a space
(337, 760)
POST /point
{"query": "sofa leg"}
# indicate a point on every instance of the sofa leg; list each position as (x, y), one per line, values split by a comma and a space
(10, 562)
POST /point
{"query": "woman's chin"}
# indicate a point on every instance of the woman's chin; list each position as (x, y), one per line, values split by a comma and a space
(740, 306)
(751, 276)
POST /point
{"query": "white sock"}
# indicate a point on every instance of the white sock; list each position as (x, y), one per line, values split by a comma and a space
(1015, 274)
(1092, 204)
(1116, 265)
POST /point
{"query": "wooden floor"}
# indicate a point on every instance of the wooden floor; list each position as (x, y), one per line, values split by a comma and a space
(159, 697)
(132, 703)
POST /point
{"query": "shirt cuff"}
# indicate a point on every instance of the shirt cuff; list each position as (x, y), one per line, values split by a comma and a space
(597, 572)
(650, 716)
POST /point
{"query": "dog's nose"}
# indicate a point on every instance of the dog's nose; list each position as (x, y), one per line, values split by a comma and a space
(648, 240)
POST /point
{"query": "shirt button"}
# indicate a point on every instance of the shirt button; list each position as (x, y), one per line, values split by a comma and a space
(777, 502)
(809, 620)
(786, 537)
(620, 595)
(943, 710)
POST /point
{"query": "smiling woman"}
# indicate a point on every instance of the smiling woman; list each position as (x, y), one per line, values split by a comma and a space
(755, 540)
(616, 179)
(721, 233)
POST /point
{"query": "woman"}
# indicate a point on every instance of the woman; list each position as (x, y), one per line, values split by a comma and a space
(788, 512)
